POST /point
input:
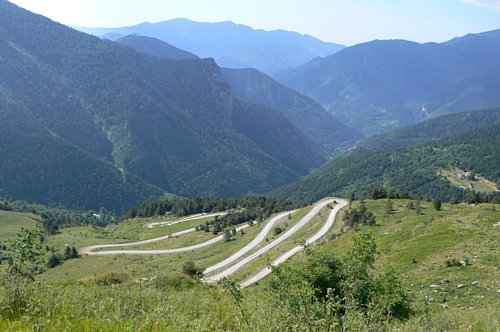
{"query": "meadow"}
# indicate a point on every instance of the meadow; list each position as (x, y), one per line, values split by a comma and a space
(447, 262)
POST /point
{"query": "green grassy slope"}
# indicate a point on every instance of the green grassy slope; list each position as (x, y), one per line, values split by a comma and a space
(144, 265)
(12, 222)
(418, 246)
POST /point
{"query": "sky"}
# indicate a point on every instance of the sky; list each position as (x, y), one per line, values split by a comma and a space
(346, 22)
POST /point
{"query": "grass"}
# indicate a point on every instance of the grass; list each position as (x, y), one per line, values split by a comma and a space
(12, 222)
(136, 230)
(458, 178)
(127, 231)
(140, 265)
(418, 246)
(194, 238)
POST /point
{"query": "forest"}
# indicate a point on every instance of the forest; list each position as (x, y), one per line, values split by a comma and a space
(413, 170)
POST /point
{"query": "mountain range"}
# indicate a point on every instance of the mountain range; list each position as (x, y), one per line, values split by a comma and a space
(387, 84)
(87, 123)
(155, 47)
(121, 126)
(231, 45)
(259, 88)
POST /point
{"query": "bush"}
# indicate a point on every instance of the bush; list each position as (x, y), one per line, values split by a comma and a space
(173, 281)
(341, 292)
(190, 269)
(54, 260)
(112, 278)
(457, 262)
(16, 295)
(437, 204)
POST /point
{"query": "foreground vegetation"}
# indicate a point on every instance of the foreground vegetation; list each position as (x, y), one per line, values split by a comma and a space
(415, 269)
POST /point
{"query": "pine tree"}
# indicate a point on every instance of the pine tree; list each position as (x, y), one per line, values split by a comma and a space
(437, 203)
(227, 236)
(67, 253)
(74, 253)
(389, 207)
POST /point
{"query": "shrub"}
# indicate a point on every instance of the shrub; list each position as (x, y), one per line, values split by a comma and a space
(16, 295)
(112, 278)
(341, 292)
(190, 269)
(457, 262)
(277, 230)
(437, 204)
(54, 260)
(173, 281)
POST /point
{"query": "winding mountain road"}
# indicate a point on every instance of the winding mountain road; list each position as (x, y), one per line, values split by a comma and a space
(341, 203)
(258, 239)
(188, 218)
(90, 249)
(305, 220)
(211, 274)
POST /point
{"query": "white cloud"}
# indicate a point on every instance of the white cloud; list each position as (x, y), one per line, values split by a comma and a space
(489, 4)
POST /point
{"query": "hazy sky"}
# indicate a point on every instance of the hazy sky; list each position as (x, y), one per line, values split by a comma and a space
(342, 21)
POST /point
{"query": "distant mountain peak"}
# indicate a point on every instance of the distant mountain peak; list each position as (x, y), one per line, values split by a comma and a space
(382, 85)
(267, 51)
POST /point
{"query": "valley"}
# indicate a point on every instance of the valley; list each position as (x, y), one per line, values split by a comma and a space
(238, 173)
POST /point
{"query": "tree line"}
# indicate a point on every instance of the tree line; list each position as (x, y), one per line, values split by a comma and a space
(182, 207)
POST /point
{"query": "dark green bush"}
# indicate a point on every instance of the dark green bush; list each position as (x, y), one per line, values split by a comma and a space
(112, 278)
(190, 269)
(173, 281)
(327, 292)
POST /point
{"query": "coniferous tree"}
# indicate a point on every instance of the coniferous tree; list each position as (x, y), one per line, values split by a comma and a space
(437, 203)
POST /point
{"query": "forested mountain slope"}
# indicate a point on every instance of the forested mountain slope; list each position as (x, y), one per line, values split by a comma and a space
(383, 85)
(412, 170)
(170, 123)
(431, 130)
(256, 87)
(303, 112)
(42, 167)
(156, 47)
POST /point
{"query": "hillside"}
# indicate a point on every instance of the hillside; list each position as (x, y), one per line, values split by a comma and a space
(413, 170)
(431, 130)
(136, 122)
(387, 84)
(422, 249)
(47, 169)
(273, 134)
(303, 112)
(123, 292)
(256, 87)
(232, 45)
(153, 46)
